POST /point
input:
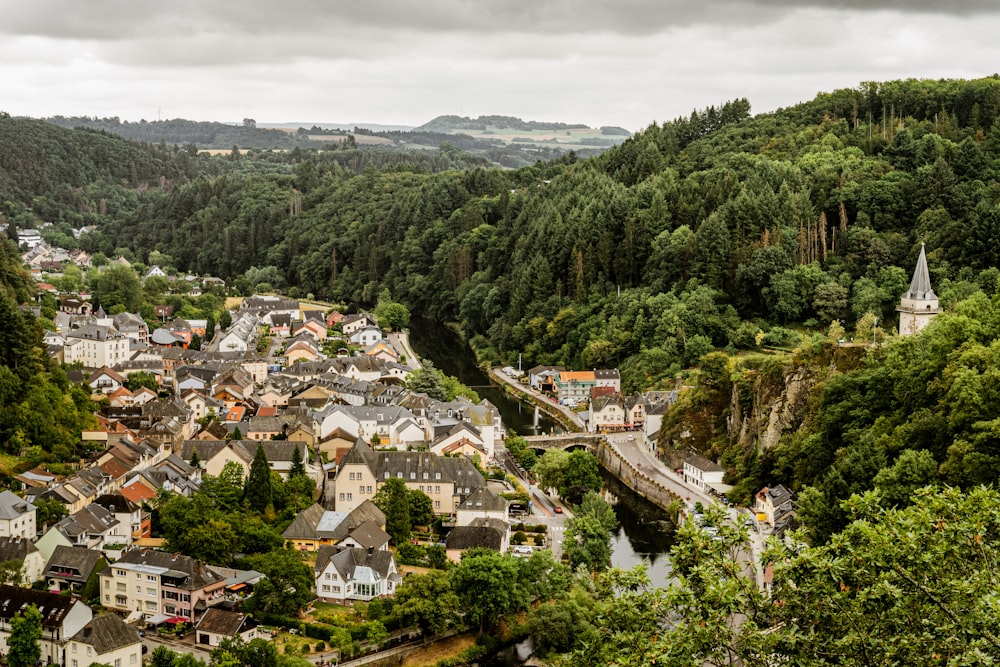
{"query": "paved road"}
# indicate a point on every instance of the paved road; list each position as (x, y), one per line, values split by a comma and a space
(400, 342)
(567, 414)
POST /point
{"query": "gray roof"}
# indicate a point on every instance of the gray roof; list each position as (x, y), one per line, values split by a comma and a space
(53, 607)
(483, 500)
(106, 633)
(703, 464)
(13, 506)
(467, 537)
(920, 285)
(225, 623)
(191, 572)
(316, 523)
(348, 560)
(15, 548)
(72, 563)
(370, 535)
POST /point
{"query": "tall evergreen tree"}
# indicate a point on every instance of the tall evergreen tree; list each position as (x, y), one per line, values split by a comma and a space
(257, 492)
(393, 499)
(298, 468)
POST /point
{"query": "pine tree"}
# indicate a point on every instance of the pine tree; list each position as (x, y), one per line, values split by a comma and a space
(257, 492)
(298, 468)
(194, 461)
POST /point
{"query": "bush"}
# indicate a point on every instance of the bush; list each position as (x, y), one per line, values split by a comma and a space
(320, 646)
(518, 538)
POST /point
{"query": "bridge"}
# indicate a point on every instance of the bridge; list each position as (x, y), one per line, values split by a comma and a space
(565, 441)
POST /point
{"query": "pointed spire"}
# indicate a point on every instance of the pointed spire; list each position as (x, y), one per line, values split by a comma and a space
(920, 285)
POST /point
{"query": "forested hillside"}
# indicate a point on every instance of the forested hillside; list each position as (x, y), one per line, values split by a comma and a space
(747, 235)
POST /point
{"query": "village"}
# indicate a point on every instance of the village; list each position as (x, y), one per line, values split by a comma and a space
(315, 391)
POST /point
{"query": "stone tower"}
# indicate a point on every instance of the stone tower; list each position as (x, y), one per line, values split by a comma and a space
(919, 304)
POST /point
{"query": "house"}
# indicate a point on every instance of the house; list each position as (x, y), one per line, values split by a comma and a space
(156, 582)
(302, 349)
(130, 515)
(312, 328)
(447, 481)
(96, 346)
(481, 533)
(105, 381)
(354, 323)
(218, 624)
(542, 378)
(105, 640)
(62, 618)
(17, 516)
(775, 503)
(23, 551)
(609, 377)
(93, 527)
(133, 327)
(481, 504)
(315, 527)
(155, 271)
(69, 568)
(366, 336)
(607, 413)
(701, 472)
(343, 576)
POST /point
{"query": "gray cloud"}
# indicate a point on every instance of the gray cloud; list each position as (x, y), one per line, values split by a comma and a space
(115, 20)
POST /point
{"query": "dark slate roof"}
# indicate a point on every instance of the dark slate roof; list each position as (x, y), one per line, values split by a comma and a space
(225, 623)
(194, 574)
(370, 535)
(77, 560)
(920, 285)
(703, 464)
(467, 537)
(274, 450)
(107, 633)
(53, 607)
(483, 500)
(116, 503)
(304, 525)
(15, 548)
(206, 448)
(314, 522)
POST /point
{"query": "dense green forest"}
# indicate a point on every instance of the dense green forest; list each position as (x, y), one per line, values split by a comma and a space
(720, 231)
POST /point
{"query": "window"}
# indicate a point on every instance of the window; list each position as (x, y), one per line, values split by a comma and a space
(350, 475)
(336, 589)
(437, 504)
(150, 577)
(399, 475)
(151, 592)
(413, 475)
(437, 489)
(437, 475)
(118, 662)
(426, 475)
(341, 496)
(369, 489)
(133, 659)
(327, 576)
(326, 588)
(385, 475)
(350, 496)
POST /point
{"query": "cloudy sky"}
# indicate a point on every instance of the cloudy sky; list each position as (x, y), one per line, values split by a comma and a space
(627, 62)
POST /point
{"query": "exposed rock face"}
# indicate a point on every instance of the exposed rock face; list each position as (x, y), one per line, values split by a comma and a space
(776, 407)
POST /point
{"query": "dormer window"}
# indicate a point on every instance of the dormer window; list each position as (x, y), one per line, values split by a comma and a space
(386, 475)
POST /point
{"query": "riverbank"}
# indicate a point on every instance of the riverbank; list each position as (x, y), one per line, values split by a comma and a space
(565, 417)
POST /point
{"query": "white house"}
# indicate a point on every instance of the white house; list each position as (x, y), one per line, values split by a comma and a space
(366, 336)
(17, 516)
(96, 346)
(702, 473)
(355, 574)
(218, 624)
(62, 618)
(105, 640)
(22, 550)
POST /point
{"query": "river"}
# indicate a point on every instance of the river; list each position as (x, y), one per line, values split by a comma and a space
(645, 532)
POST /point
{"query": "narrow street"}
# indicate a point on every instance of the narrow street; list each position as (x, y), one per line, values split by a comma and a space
(567, 414)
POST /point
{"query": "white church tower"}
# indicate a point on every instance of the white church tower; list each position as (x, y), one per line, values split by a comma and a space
(919, 304)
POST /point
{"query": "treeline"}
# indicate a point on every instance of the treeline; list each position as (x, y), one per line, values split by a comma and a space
(450, 123)
(204, 134)
(645, 257)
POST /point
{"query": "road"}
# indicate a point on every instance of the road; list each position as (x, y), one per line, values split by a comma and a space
(567, 414)
(542, 507)
(400, 342)
(633, 448)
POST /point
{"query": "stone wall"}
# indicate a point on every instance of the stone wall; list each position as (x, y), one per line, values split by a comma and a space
(633, 478)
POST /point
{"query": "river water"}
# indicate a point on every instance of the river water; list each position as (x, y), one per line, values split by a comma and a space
(645, 532)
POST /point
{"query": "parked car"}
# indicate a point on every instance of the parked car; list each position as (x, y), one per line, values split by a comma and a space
(558, 510)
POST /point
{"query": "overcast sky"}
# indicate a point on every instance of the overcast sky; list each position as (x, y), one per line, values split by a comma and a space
(627, 62)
